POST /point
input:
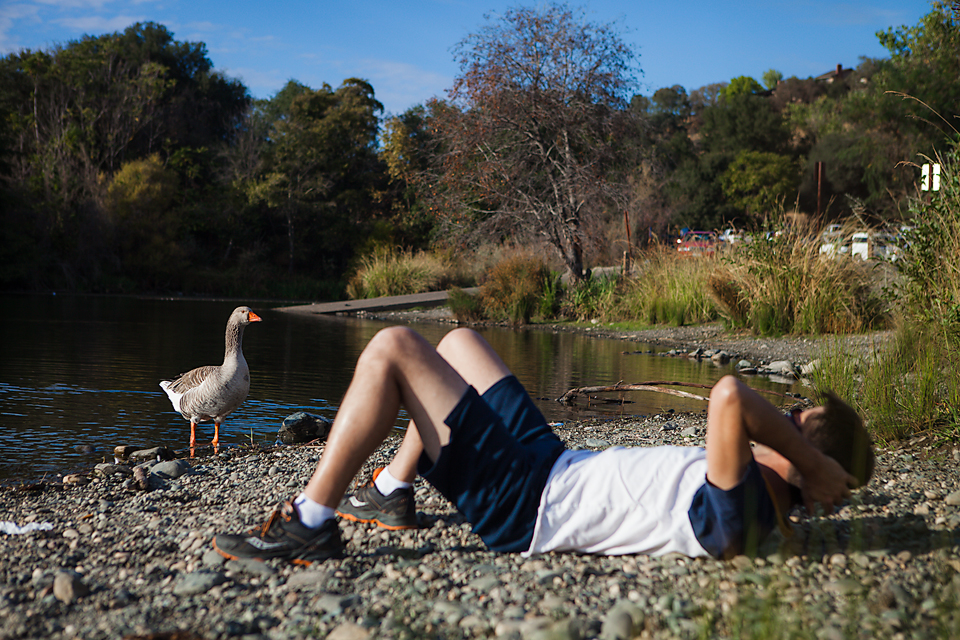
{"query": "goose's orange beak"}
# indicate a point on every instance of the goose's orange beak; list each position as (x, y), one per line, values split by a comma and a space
(254, 317)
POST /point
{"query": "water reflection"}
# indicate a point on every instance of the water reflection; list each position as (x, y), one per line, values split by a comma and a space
(84, 370)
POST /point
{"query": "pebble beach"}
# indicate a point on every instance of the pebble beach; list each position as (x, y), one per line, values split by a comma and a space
(124, 551)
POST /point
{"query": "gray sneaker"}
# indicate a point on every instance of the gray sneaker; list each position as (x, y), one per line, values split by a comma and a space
(395, 511)
(284, 536)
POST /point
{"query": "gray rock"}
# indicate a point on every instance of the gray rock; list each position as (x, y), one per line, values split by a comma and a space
(171, 468)
(596, 443)
(781, 367)
(303, 427)
(953, 499)
(622, 621)
(107, 469)
(349, 631)
(312, 578)
(247, 565)
(720, 357)
(809, 368)
(335, 604)
(564, 630)
(199, 582)
(213, 559)
(155, 453)
(69, 586)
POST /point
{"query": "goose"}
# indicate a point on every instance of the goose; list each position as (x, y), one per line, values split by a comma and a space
(212, 392)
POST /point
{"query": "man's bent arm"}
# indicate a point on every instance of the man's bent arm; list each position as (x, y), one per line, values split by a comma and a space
(737, 415)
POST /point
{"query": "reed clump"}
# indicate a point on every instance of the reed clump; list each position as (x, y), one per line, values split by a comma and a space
(783, 284)
(667, 289)
(911, 384)
(393, 272)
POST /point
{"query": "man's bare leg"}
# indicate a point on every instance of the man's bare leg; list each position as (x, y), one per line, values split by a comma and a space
(477, 363)
(398, 367)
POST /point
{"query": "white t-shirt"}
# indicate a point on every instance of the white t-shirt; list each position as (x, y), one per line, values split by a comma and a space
(621, 501)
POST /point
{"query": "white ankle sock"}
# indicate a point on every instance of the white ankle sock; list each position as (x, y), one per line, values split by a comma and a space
(312, 514)
(387, 484)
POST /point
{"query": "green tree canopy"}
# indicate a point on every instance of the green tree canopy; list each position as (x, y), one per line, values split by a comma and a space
(758, 182)
(741, 86)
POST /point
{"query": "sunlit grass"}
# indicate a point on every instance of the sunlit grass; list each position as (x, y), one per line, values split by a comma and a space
(785, 285)
(395, 273)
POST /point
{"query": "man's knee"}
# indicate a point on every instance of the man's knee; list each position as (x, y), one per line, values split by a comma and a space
(727, 390)
(457, 339)
(392, 343)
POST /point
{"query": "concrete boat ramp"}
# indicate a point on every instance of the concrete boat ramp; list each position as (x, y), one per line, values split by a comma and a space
(389, 303)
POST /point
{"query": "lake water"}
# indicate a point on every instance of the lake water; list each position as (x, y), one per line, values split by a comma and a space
(83, 371)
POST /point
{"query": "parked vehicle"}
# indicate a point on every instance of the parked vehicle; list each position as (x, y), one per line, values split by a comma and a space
(731, 236)
(697, 243)
(832, 242)
(874, 245)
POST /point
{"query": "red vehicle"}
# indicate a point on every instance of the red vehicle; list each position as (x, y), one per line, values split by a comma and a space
(697, 243)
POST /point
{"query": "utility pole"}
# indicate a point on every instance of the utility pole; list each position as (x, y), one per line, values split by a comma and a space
(819, 186)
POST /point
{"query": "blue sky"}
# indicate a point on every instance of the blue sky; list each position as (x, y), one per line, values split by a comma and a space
(404, 48)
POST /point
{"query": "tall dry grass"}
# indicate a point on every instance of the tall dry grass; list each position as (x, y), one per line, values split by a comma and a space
(785, 285)
(667, 289)
(391, 272)
(516, 288)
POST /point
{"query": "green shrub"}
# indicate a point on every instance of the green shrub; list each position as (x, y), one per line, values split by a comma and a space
(930, 264)
(513, 289)
(903, 387)
(591, 299)
(465, 307)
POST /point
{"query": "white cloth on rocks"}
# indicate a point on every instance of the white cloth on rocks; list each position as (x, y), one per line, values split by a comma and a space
(12, 528)
(621, 501)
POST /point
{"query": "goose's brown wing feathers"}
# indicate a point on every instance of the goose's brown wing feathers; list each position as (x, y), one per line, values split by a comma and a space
(192, 379)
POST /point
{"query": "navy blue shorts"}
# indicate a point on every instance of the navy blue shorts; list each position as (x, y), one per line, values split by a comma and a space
(496, 465)
(729, 523)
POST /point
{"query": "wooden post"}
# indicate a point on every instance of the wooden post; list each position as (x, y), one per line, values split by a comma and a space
(819, 183)
(629, 252)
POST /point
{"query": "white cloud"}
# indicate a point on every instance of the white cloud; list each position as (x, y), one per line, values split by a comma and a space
(11, 17)
(400, 85)
(96, 25)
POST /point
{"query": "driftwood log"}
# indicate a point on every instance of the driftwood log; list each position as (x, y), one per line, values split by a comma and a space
(658, 386)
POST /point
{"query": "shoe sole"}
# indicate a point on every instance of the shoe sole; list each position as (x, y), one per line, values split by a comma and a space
(379, 523)
(298, 561)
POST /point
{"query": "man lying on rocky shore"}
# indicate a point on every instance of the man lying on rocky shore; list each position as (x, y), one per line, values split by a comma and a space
(494, 457)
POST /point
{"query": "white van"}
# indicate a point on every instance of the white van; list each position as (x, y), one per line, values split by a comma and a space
(874, 245)
(860, 245)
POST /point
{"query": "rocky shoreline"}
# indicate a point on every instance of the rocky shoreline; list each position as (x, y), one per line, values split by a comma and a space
(124, 552)
(738, 344)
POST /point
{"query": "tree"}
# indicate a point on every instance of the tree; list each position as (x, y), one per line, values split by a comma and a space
(771, 77)
(532, 126)
(744, 121)
(406, 143)
(924, 61)
(741, 86)
(757, 182)
(319, 168)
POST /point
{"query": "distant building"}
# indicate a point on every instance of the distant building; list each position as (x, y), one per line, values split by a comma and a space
(836, 74)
